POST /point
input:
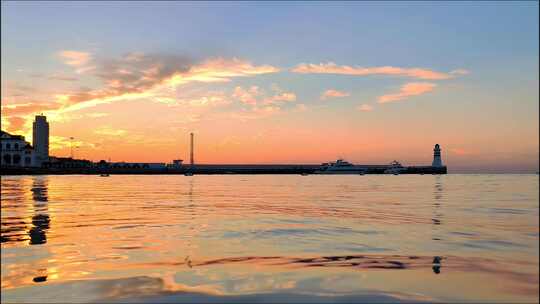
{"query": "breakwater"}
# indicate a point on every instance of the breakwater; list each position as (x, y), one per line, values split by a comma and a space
(210, 169)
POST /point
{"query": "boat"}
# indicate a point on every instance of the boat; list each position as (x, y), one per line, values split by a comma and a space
(304, 174)
(104, 175)
(395, 168)
(340, 166)
(188, 174)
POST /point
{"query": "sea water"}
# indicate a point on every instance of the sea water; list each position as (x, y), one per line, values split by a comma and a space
(274, 238)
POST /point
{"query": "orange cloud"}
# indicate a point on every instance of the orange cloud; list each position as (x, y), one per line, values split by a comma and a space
(332, 68)
(60, 142)
(256, 112)
(225, 68)
(108, 131)
(365, 108)
(212, 101)
(16, 123)
(408, 90)
(334, 93)
(137, 75)
(28, 108)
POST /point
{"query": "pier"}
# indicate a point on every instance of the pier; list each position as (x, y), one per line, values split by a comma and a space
(213, 169)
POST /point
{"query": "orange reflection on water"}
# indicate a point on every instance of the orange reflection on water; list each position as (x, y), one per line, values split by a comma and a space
(250, 234)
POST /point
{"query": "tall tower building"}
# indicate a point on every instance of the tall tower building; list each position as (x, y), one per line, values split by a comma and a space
(437, 162)
(191, 160)
(40, 139)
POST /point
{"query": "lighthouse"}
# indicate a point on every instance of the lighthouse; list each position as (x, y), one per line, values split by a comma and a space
(437, 162)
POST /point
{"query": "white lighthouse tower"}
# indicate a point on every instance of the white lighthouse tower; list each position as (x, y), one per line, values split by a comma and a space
(437, 162)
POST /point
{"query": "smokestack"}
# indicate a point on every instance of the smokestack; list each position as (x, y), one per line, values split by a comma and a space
(191, 151)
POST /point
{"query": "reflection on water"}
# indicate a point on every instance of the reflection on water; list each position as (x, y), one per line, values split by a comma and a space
(436, 265)
(437, 213)
(40, 219)
(14, 227)
(242, 238)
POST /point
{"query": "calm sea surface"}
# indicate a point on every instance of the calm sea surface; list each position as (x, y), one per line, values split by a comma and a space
(270, 237)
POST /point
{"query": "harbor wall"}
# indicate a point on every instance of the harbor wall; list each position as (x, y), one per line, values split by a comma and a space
(210, 169)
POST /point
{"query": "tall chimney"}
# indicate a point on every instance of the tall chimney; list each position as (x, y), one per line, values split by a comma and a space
(191, 151)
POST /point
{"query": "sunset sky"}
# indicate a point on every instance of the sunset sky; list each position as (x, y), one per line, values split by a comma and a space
(278, 82)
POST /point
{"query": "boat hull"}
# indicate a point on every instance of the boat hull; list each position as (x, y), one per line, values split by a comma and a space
(340, 172)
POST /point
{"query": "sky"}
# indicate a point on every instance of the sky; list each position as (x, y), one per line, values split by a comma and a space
(275, 82)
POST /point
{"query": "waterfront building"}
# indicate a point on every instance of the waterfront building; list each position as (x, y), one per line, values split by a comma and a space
(124, 165)
(176, 163)
(437, 162)
(67, 162)
(16, 152)
(40, 139)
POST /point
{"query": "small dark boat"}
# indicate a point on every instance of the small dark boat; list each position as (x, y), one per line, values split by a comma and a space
(304, 174)
(104, 175)
(188, 174)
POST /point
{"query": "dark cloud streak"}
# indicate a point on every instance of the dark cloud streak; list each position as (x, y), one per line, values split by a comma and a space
(133, 73)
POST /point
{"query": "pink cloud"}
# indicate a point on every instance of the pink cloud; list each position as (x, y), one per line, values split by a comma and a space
(459, 72)
(334, 93)
(332, 68)
(282, 97)
(254, 96)
(365, 108)
(248, 96)
(408, 90)
(300, 107)
(75, 58)
(459, 151)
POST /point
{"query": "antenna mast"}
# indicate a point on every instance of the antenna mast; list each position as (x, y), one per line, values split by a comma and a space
(191, 151)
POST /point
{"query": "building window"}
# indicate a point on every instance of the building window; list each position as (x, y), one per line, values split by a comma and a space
(16, 146)
(27, 160)
(8, 146)
(7, 159)
(16, 159)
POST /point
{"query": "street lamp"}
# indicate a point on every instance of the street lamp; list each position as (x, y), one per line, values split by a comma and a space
(71, 146)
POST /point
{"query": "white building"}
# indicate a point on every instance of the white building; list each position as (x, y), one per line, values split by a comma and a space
(16, 152)
(40, 139)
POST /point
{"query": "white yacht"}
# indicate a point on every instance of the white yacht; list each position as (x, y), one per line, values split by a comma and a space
(340, 167)
(395, 168)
